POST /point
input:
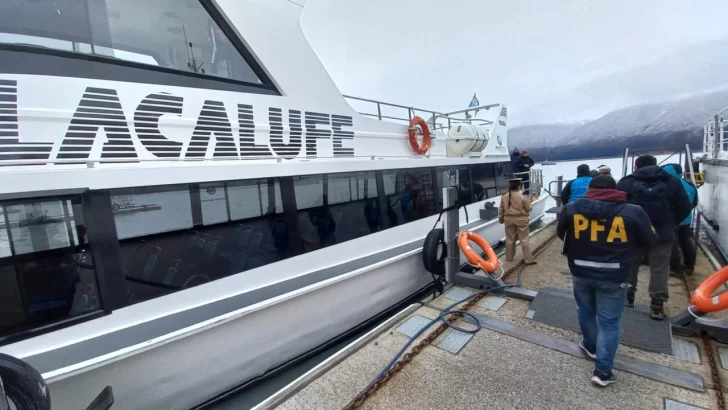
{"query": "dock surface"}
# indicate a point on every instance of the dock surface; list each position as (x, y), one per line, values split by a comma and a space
(514, 362)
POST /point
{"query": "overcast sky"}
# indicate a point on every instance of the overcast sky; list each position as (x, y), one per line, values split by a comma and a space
(549, 61)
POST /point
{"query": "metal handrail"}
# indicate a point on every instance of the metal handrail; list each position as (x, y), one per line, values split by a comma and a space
(480, 107)
(389, 104)
(435, 115)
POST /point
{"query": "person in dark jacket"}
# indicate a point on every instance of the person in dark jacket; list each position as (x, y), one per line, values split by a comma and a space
(666, 203)
(523, 166)
(515, 157)
(684, 232)
(576, 188)
(603, 235)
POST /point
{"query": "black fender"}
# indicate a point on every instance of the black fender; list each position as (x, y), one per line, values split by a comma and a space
(23, 385)
(434, 252)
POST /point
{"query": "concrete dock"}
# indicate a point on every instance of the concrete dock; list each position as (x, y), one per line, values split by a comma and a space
(513, 362)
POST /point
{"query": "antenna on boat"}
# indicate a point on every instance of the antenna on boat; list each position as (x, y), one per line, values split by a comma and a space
(191, 63)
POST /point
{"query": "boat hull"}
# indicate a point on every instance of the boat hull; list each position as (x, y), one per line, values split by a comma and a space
(713, 193)
(195, 367)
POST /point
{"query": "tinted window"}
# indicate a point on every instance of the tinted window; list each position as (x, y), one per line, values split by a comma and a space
(196, 233)
(150, 210)
(502, 170)
(336, 208)
(483, 181)
(178, 236)
(61, 24)
(46, 268)
(457, 176)
(168, 33)
(410, 194)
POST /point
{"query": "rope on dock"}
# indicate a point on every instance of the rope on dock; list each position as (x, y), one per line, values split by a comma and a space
(360, 398)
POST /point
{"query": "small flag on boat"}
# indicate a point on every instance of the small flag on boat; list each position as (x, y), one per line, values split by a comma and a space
(473, 103)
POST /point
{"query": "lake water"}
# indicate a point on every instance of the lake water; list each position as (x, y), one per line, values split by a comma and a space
(250, 397)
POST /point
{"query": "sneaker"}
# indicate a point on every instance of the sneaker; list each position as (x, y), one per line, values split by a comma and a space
(583, 347)
(531, 263)
(630, 300)
(603, 379)
(688, 270)
(657, 311)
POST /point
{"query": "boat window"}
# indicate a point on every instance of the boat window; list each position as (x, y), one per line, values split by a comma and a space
(410, 193)
(168, 33)
(47, 272)
(502, 172)
(336, 208)
(179, 236)
(61, 24)
(176, 237)
(484, 185)
(151, 210)
(251, 199)
(457, 176)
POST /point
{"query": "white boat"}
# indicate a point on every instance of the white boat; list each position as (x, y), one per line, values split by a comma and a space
(547, 162)
(263, 193)
(714, 167)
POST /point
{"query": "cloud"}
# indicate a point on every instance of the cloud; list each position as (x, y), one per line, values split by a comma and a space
(546, 60)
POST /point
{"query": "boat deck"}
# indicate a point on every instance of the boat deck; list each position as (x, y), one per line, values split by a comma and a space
(513, 361)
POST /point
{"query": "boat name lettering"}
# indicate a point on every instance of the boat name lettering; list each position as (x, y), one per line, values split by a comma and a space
(100, 109)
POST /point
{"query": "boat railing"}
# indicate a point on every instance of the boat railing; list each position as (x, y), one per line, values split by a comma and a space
(715, 139)
(535, 181)
(437, 121)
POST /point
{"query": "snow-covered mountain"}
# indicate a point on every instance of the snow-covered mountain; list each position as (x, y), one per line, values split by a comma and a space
(540, 135)
(658, 126)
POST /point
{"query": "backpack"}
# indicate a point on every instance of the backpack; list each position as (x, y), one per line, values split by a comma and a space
(654, 199)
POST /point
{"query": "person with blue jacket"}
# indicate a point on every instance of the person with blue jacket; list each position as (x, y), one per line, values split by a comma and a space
(684, 232)
(576, 188)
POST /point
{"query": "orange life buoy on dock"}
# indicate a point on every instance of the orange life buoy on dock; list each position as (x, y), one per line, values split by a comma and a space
(416, 147)
(489, 265)
(702, 299)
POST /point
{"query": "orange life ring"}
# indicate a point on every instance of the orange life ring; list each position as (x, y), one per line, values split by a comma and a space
(489, 265)
(702, 299)
(416, 147)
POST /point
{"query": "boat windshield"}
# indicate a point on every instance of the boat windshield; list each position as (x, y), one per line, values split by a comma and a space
(165, 33)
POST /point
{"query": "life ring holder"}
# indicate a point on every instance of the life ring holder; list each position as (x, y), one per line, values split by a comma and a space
(426, 138)
(702, 299)
(491, 264)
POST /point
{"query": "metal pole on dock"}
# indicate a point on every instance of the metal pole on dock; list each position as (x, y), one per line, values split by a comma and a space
(559, 187)
(452, 225)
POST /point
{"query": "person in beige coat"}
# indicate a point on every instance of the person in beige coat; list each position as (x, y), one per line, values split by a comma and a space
(513, 212)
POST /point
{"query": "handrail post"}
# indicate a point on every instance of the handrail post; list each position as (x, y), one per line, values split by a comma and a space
(716, 141)
(559, 188)
(379, 111)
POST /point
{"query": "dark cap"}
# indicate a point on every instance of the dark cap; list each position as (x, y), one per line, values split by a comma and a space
(603, 182)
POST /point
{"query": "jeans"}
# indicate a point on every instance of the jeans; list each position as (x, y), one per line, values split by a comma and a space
(600, 304)
(687, 244)
(659, 258)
